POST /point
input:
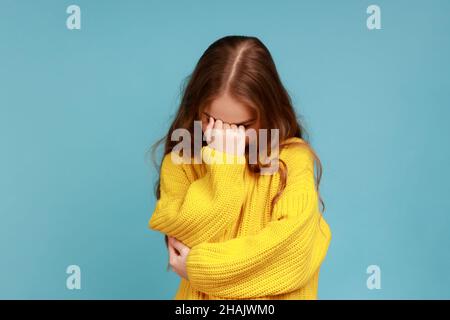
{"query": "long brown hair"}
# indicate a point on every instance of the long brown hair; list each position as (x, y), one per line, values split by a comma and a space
(243, 67)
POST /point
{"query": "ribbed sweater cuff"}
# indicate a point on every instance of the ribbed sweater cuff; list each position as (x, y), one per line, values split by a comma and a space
(216, 157)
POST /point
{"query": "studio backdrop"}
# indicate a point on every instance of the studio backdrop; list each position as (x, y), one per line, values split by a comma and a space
(86, 87)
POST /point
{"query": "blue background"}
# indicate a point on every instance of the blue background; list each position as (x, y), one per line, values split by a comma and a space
(80, 108)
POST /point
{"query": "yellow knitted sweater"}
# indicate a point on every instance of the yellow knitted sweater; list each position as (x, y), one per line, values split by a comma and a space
(239, 249)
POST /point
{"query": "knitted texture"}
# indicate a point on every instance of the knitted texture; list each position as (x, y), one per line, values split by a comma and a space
(239, 248)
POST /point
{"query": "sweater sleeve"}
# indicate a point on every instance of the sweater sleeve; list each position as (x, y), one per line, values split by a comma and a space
(196, 212)
(280, 258)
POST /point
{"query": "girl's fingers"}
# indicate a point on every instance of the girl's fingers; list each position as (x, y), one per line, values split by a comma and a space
(172, 248)
(218, 124)
(241, 139)
(172, 255)
(208, 129)
(179, 245)
(211, 122)
(223, 137)
(217, 136)
(241, 132)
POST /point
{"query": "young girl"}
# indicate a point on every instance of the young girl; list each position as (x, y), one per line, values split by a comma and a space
(231, 231)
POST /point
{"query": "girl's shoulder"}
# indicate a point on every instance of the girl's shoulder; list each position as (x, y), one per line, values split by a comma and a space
(293, 140)
(295, 151)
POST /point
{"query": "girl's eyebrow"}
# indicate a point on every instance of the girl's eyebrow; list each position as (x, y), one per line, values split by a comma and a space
(238, 124)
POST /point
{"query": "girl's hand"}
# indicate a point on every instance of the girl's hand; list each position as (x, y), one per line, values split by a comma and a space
(177, 256)
(225, 137)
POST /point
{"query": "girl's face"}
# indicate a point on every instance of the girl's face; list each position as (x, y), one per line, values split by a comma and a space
(230, 111)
